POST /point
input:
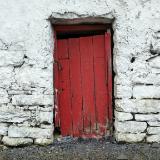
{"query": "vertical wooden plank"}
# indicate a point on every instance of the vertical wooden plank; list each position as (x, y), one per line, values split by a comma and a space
(101, 95)
(62, 45)
(76, 88)
(100, 83)
(99, 46)
(86, 51)
(109, 67)
(64, 94)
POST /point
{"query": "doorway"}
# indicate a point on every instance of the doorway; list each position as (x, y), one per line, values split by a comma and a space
(83, 80)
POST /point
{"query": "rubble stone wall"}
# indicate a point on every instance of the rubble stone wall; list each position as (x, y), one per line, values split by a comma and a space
(26, 67)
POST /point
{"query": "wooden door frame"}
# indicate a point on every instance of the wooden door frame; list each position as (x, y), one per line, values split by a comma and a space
(108, 49)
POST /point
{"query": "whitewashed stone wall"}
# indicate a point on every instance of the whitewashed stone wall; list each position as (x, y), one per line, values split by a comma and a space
(26, 60)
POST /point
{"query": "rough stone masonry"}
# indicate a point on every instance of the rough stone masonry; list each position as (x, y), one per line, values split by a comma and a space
(26, 67)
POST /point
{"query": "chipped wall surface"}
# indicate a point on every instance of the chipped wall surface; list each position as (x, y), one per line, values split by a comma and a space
(26, 60)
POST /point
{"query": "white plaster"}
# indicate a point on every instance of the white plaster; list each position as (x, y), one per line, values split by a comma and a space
(123, 91)
(11, 58)
(32, 100)
(45, 117)
(146, 92)
(12, 115)
(122, 116)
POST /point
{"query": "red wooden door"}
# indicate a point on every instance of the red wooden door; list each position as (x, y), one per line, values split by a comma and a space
(84, 84)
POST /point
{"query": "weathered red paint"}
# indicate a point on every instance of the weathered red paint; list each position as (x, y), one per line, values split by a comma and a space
(100, 82)
(77, 28)
(87, 76)
(83, 79)
(76, 86)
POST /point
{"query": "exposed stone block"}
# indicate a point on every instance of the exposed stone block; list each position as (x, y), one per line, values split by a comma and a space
(29, 132)
(130, 127)
(153, 138)
(3, 128)
(138, 106)
(41, 141)
(155, 124)
(147, 117)
(130, 137)
(122, 116)
(17, 141)
(146, 92)
(153, 130)
(32, 100)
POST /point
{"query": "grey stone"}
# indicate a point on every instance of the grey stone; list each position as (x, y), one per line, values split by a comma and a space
(155, 124)
(138, 106)
(43, 141)
(130, 127)
(17, 141)
(147, 117)
(153, 130)
(3, 128)
(153, 138)
(122, 157)
(130, 137)
(29, 132)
